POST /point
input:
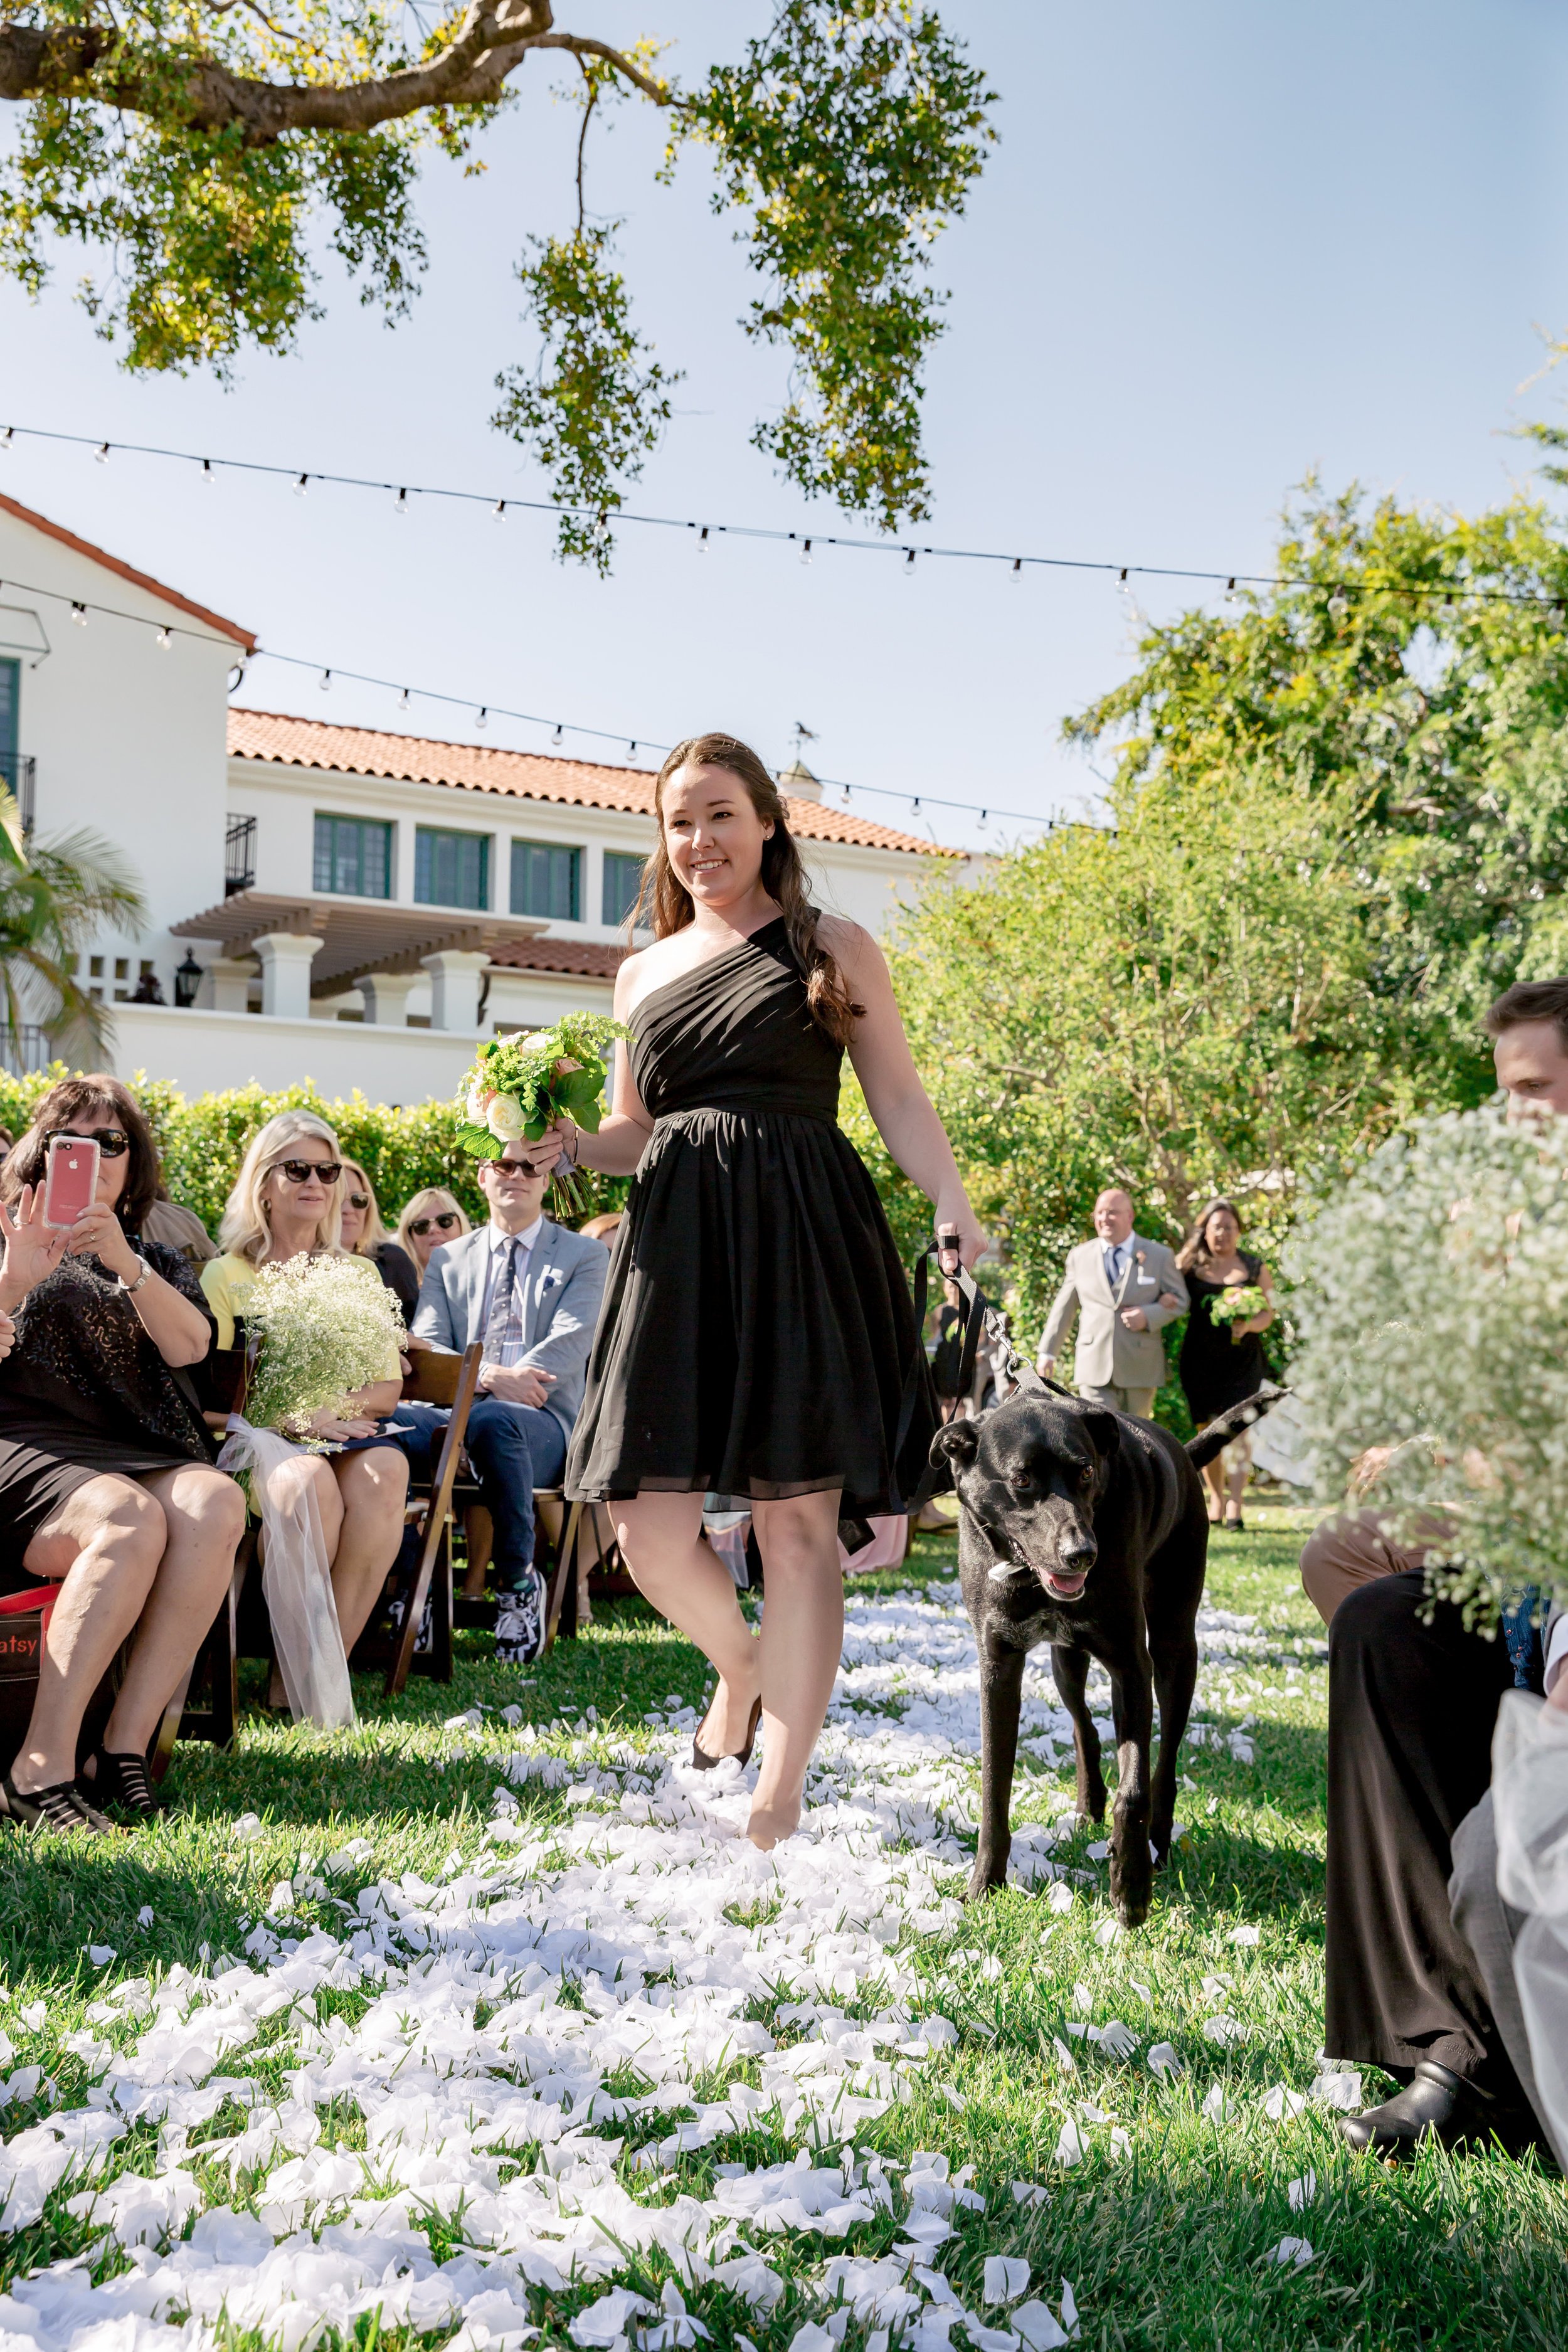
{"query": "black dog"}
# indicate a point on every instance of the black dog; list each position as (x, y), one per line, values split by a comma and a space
(1087, 1530)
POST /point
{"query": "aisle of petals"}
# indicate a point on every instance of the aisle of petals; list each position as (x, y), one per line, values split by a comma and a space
(545, 2034)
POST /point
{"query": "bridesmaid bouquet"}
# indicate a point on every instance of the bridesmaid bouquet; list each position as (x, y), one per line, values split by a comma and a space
(521, 1085)
(1239, 1305)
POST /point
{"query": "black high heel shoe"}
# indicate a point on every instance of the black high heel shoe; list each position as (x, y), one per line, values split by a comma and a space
(706, 1763)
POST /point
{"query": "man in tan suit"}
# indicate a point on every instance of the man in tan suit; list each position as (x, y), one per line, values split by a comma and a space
(1125, 1291)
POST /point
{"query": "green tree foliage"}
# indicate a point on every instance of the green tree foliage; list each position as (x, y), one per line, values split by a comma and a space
(1413, 673)
(53, 896)
(202, 151)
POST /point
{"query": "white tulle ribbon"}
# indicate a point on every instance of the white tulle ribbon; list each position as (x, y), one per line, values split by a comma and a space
(1530, 1804)
(296, 1576)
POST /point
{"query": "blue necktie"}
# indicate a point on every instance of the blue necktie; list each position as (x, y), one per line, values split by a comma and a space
(500, 1299)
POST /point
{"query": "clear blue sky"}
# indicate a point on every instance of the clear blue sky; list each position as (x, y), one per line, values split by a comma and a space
(1216, 245)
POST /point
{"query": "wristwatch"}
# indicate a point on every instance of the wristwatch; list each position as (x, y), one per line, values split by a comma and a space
(131, 1288)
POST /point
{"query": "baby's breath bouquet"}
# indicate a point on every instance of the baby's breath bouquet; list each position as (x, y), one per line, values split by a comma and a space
(317, 1330)
(1431, 1293)
(521, 1084)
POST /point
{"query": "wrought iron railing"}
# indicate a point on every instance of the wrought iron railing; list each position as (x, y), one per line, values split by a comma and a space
(19, 774)
(239, 855)
(24, 1049)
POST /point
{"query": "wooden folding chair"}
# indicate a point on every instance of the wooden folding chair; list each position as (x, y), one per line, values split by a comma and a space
(436, 1377)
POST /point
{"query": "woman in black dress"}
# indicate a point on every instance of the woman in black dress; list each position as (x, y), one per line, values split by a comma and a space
(1221, 1364)
(757, 1336)
(107, 1482)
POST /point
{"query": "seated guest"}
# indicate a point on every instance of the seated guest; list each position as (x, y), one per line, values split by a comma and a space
(529, 1289)
(364, 1235)
(286, 1203)
(431, 1219)
(107, 1483)
(181, 1229)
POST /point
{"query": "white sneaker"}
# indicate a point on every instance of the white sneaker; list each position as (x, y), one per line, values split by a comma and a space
(519, 1623)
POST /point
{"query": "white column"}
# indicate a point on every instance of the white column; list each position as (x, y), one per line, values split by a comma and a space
(228, 982)
(286, 960)
(386, 995)
(455, 975)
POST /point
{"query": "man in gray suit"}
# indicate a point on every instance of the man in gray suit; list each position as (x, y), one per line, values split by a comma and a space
(1125, 1291)
(529, 1289)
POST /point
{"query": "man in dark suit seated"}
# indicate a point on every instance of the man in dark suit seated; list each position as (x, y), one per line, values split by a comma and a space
(530, 1290)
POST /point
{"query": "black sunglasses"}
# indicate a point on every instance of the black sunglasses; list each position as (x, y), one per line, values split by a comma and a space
(422, 1225)
(357, 1200)
(298, 1171)
(112, 1141)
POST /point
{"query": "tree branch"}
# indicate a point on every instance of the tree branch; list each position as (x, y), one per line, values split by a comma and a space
(582, 45)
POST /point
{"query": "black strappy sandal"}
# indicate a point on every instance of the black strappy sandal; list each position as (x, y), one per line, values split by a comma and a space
(61, 1807)
(706, 1763)
(123, 1782)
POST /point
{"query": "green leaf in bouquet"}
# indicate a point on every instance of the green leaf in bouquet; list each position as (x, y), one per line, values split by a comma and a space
(475, 1139)
(588, 1118)
(582, 1087)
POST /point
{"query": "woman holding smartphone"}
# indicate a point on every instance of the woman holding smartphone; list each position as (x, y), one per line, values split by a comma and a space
(757, 1337)
(107, 1483)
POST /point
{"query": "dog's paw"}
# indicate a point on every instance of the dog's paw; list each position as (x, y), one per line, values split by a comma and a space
(983, 1882)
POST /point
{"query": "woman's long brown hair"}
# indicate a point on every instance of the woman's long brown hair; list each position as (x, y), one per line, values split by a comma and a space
(664, 903)
(1194, 1250)
(65, 1110)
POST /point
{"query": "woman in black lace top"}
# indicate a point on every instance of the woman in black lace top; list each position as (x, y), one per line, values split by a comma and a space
(107, 1483)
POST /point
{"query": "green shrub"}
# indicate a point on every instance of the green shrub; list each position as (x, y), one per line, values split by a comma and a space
(203, 1140)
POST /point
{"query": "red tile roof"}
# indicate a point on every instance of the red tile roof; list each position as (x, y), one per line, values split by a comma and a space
(586, 958)
(125, 571)
(525, 775)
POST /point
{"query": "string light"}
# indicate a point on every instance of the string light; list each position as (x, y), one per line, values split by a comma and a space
(402, 506)
(556, 736)
(163, 640)
(402, 699)
(499, 510)
(79, 614)
(805, 552)
(909, 570)
(481, 716)
(208, 477)
(103, 453)
(326, 681)
(1442, 593)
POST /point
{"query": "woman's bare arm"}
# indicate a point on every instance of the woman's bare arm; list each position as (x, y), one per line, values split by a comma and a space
(905, 1116)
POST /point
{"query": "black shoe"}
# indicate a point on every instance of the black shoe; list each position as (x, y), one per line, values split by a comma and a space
(1437, 2105)
(123, 1782)
(706, 1763)
(60, 1807)
(520, 1623)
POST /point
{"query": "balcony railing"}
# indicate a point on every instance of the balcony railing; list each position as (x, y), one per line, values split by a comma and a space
(239, 855)
(19, 774)
(24, 1049)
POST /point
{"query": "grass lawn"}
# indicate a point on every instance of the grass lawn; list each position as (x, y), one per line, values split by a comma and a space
(1164, 2225)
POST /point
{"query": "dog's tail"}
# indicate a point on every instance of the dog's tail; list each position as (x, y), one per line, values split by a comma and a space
(1216, 1436)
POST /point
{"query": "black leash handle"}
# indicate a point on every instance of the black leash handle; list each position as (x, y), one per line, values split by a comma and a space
(979, 1315)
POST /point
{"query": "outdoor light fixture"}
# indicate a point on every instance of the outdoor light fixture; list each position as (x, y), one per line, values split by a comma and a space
(187, 980)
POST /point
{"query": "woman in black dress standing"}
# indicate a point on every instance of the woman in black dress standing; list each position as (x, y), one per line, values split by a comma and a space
(757, 1336)
(1221, 1364)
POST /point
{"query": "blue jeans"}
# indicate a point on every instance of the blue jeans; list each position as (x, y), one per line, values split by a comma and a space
(513, 1448)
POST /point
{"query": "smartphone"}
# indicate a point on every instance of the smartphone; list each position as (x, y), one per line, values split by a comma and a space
(71, 1183)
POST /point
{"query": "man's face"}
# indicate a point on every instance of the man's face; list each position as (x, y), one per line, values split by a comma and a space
(1533, 1068)
(513, 1186)
(1114, 1217)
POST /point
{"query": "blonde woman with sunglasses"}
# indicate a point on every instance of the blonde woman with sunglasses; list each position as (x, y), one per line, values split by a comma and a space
(287, 1203)
(431, 1219)
(362, 1235)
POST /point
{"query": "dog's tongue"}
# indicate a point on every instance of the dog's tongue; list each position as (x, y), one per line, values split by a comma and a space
(1069, 1587)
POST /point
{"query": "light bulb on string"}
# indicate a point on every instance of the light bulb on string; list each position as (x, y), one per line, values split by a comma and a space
(915, 805)
(79, 614)
(208, 477)
(1017, 567)
(556, 736)
(805, 551)
(325, 681)
(402, 506)
(1230, 594)
(102, 453)
(482, 716)
(402, 699)
(703, 540)
(632, 749)
(6, 437)
(163, 640)
(497, 512)
(909, 570)
(302, 486)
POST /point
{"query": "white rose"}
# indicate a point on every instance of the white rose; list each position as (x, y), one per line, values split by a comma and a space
(477, 1105)
(503, 1117)
(532, 1044)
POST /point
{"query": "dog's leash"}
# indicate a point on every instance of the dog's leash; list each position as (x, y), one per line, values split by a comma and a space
(979, 1315)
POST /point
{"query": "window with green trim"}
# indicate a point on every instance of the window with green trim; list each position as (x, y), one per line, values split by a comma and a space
(622, 880)
(546, 880)
(353, 857)
(452, 869)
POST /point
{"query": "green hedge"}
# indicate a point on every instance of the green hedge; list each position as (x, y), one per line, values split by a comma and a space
(203, 1141)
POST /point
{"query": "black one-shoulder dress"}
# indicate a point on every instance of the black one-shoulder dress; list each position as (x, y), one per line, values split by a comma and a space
(757, 1336)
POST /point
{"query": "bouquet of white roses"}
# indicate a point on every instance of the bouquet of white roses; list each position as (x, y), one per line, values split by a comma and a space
(316, 1330)
(521, 1085)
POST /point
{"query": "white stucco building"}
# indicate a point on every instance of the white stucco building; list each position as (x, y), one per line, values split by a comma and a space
(340, 904)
